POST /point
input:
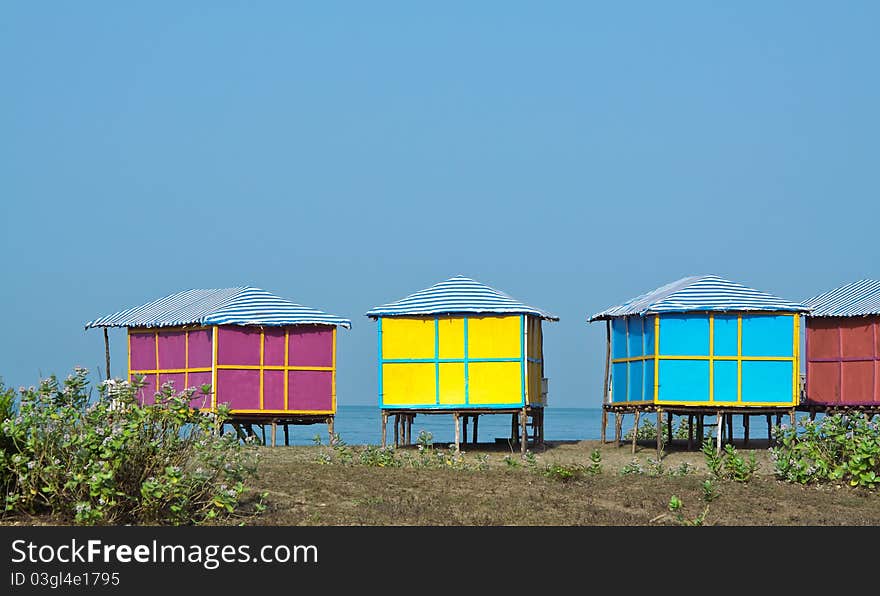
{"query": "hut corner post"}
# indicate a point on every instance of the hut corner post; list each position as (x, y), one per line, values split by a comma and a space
(107, 352)
(605, 379)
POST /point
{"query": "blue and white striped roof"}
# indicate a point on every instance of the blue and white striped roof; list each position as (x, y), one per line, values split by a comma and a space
(456, 295)
(859, 298)
(700, 293)
(225, 306)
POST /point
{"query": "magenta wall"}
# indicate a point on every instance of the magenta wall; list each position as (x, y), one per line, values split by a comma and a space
(248, 358)
(308, 347)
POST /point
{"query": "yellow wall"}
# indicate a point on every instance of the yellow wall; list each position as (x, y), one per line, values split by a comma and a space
(454, 361)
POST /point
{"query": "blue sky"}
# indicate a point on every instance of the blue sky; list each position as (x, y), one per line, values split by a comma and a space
(343, 155)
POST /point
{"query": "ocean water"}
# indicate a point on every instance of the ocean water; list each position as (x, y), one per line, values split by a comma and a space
(362, 425)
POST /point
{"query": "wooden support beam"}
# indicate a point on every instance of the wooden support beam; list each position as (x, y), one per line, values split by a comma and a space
(618, 427)
(770, 428)
(690, 431)
(274, 428)
(635, 430)
(107, 352)
(719, 417)
(745, 429)
(464, 423)
(476, 421)
(659, 434)
(514, 428)
(397, 430)
(330, 427)
(286, 436)
(408, 422)
(384, 428)
(457, 430)
(668, 427)
(524, 431)
(604, 424)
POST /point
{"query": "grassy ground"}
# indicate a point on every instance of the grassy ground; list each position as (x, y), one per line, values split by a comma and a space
(303, 491)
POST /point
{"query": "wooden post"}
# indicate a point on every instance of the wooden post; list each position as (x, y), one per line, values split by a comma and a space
(330, 427)
(668, 428)
(107, 353)
(524, 431)
(745, 429)
(541, 425)
(618, 427)
(659, 433)
(794, 421)
(769, 429)
(286, 436)
(384, 428)
(514, 428)
(701, 429)
(408, 421)
(690, 431)
(476, 420)
(635, 430)
(718, 428)
(812, 414)
(397, 430)
(464, 424)
(729, 419)
(274, 428)
(604, 423)
(457, 430)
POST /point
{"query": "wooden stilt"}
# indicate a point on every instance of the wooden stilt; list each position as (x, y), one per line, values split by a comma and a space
(286, 436)
(812, 415)
(770, 428)
(237, 427)
(274, 429)
(745, 429)
(791, 416)
(659, 433)
(718, 428)
(729, 420)
(618, 427)
(476, 421)
(701, 429)
(330, 427)
(635, 430)
(457, 430)
(604, 424)
(397, 430)
(408, 422)
(668, 428)
(524, 431)
(384, 428)
(541, 426)
(514, 428)
(464, 428)
(690, 432)
(107, 352)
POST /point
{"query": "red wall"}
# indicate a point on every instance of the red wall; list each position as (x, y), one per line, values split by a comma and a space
(843, 360)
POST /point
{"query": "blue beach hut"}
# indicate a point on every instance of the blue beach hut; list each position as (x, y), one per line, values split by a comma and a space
(701, 345)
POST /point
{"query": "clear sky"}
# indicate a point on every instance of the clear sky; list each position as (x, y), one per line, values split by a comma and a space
(343, 155)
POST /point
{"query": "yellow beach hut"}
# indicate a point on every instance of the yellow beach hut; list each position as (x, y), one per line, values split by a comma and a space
(464, 348)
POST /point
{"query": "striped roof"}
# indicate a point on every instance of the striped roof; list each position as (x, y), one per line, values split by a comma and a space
(457, 294)
(858, 298)
(226, 306)
(699, 293)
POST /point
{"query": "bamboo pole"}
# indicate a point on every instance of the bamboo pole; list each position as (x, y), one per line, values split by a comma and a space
(618, 427)
(107, 353)
(457, 430)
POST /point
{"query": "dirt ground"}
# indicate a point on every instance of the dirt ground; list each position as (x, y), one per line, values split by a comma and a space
(304, 492)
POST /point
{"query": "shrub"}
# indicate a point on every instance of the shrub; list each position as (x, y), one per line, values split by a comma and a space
(113, 461)
(836, 448)
(729, 464)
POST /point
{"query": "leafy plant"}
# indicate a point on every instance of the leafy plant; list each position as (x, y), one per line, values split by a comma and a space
(836, 448)
(114, 461)
(729, 464)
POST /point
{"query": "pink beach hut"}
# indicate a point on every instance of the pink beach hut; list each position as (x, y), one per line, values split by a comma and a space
(270, 360)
